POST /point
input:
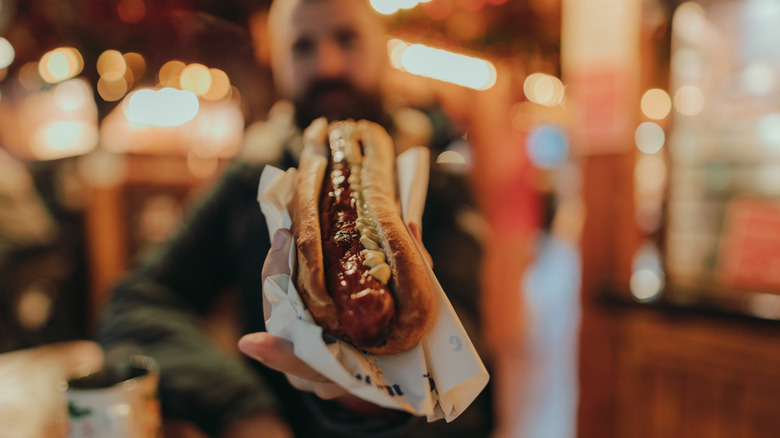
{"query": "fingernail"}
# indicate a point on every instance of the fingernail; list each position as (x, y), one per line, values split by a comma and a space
(279, 239)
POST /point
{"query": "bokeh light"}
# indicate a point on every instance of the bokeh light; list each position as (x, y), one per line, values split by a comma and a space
(34, 306)
(656, 104)
(388, 7)
(646, 284)
(647, 276)
(768, 132)
(112, 86)
(71, 95)
(7, 53)
(63, 138)
(547, 146)
(766, 306)
(111, 62)
(131, 11)
(450, 67)
(758, 78)
(457, 158)
(543, 89)
(135, 63)
(195, 78)
(650, 175)
(689, 22)
(649, 215)
(689, 100)
(60, 64)
(168, 76)
(30, 77)
(165, 107)
(219, 85)
(649, 137)
(450, 157)
(395, 49)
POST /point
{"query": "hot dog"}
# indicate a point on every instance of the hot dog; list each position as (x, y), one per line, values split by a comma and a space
(358, 269)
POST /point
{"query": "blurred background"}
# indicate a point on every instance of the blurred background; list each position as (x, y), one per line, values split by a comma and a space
(626, 154)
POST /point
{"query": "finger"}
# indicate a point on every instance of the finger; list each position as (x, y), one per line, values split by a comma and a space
(325, 391)
(417, 233)
(277, 261)
(277, 353)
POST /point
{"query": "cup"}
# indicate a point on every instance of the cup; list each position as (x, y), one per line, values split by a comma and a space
(119, 401)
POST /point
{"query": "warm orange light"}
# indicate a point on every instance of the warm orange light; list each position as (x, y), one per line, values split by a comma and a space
(170, 72)
(656, 104)
(395, 49)
(195, 78)
(111, 61)
(60, 64)
(63, 138)
(136, 63)
(72, 95)
(543, 89)
(112, 86)
(219, 87)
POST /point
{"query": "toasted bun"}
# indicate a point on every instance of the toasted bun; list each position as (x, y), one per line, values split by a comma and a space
(410, 285)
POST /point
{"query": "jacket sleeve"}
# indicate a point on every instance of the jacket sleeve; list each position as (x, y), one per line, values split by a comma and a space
(158, 308)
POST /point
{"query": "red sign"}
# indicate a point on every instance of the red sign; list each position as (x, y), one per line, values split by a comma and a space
(602, 99)
(749, 256)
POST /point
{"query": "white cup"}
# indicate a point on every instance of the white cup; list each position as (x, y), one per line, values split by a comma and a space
(119, 401)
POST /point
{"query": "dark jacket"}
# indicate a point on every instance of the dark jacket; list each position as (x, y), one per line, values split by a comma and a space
(158, 307)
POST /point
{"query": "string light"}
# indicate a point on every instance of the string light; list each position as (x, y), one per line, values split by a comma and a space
(165, 107)
(444, 65)
(7, 53)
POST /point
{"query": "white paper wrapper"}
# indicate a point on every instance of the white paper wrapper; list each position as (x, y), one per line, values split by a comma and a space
(438, 379)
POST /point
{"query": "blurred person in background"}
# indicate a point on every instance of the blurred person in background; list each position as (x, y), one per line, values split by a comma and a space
(329, 58)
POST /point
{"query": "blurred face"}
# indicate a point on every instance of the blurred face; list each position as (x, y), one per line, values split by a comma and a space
(329, 58)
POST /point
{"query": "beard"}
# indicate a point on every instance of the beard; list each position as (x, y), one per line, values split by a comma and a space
(338, 99)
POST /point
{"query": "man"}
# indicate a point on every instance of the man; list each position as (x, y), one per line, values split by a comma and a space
(328, 58)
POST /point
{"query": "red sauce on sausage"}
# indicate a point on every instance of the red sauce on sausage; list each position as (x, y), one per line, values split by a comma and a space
(365, 306)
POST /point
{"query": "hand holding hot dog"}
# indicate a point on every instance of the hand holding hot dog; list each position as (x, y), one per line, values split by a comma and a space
(277, 353)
